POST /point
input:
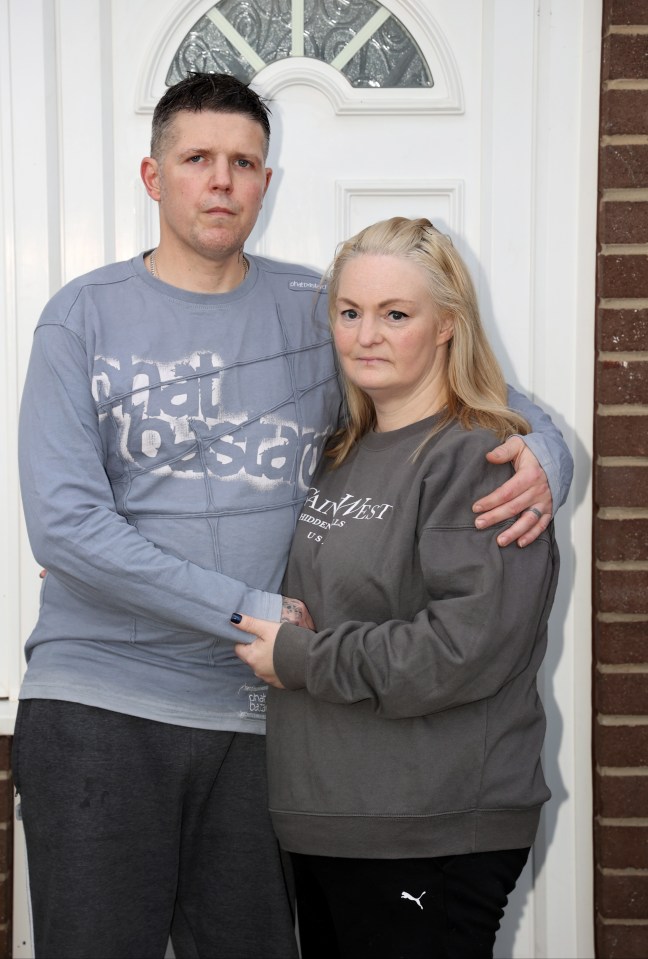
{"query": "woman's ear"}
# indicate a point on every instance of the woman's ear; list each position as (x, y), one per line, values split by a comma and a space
(446, 330)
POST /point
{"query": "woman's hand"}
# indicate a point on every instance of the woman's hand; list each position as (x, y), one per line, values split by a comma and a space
(259, 654)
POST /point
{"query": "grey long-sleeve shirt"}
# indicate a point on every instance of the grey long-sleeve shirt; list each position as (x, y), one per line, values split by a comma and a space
(167, 440)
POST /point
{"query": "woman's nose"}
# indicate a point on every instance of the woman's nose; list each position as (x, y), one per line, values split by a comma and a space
(368, 330)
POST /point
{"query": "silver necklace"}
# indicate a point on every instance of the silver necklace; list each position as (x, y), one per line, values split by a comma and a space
(154, 272)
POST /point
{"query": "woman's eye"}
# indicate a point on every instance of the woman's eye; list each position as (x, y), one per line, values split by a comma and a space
(396, 315)
(350, 314)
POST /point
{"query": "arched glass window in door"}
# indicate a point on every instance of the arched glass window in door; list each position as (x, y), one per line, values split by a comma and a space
(360, 38)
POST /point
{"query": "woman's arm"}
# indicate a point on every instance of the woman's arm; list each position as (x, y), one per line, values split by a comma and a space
(488, 608)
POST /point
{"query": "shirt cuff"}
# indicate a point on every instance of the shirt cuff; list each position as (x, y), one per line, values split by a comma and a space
(290, 653)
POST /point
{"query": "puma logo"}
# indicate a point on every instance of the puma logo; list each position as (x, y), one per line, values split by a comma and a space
(406, 895)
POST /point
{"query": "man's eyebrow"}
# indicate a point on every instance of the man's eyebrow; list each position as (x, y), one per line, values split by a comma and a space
(208, 151)
(192, 151)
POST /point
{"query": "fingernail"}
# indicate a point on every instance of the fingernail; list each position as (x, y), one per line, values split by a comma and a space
(236, 618)
(479, 523)
(502, 541)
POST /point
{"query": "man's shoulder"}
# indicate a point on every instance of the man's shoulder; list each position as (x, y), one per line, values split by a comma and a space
(61, 304)
(293, 277)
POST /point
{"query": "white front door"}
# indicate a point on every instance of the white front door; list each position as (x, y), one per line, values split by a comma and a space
(492, 152)
(344, 157)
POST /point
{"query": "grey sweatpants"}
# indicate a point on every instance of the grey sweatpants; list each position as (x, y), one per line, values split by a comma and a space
(137, 829)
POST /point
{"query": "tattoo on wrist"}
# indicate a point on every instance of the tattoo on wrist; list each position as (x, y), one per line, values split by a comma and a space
(291, 611)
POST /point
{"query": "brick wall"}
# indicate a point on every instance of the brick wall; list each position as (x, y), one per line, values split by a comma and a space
(6, 846)
(621, 491)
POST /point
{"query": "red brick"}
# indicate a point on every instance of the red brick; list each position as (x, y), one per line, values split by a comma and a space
(625, 12)
(621, 942)
(621, 797)
(6, 800)
(622, 591)
(624, 112)
(622, 330)
(622, 486)
(5, 900)
(621, 847)
(625, 642)
(6, 849)
(622, 897)
(621, 381)
(622, 276)
(621, 435)
(620, 746)
(623, 166)
(622, 694)
(625, 56)
(621, 539)
(623, 222)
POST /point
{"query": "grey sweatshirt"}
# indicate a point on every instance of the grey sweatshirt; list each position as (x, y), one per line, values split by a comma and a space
(411, 725)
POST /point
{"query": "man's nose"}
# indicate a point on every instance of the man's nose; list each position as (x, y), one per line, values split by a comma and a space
(221, 174)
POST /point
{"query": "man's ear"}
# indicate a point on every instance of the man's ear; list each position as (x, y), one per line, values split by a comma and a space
(150, 174)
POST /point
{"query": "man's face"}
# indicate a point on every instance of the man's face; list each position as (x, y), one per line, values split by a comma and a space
(210, 183)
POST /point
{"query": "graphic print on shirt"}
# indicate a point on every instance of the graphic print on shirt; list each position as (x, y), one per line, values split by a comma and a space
(326, 513)
(180, 419)
(255, 701)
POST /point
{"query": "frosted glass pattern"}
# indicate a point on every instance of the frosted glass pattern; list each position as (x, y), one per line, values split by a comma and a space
(242, 36)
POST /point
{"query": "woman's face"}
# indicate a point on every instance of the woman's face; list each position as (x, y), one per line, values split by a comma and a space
(390, 336)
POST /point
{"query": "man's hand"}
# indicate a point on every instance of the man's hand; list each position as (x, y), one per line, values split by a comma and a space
(259, 654)
(295, 612)
(526, 493)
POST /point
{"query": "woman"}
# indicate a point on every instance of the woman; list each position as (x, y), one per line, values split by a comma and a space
(404, 734)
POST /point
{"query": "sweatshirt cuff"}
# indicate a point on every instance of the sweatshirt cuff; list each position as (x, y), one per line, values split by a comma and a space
(289, 658)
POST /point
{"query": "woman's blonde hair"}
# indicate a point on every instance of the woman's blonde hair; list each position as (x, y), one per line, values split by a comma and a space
(476, 390)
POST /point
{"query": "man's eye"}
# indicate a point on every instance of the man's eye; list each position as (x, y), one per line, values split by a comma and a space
(195, 159)
(243, 163)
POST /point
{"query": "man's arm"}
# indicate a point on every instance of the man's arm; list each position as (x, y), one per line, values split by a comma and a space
(74, 528)
(544, 469)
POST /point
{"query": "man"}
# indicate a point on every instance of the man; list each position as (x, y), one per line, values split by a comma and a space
(174, 410)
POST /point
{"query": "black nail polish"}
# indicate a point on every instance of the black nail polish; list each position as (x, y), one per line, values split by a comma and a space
(236, 618)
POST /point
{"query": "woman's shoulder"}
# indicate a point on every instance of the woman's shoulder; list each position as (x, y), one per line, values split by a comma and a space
(456, 440)
(456, 473)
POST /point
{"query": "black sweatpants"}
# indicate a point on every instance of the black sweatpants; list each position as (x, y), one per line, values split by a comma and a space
(448, 907)
(136, 829)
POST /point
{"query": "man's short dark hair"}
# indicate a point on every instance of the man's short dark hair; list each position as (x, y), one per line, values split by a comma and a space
(219, 92)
